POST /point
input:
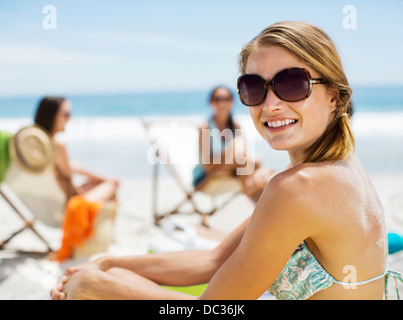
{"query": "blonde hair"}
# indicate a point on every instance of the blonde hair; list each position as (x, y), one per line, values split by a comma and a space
(314, 47)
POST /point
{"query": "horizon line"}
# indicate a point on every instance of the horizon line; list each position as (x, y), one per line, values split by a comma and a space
(150, 91)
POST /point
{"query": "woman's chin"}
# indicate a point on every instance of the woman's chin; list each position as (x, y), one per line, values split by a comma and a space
(278, 148)
(277, 144)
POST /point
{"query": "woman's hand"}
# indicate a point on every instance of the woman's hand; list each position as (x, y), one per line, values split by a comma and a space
(58, 293)
(80, 285)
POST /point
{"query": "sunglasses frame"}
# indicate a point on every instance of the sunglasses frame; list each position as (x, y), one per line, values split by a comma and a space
(222, 99)
(270, 83)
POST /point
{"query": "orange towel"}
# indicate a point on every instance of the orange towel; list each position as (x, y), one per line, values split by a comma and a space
(78, 224)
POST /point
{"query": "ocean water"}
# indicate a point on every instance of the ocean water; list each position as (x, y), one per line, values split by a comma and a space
(366, 99)
(107, 135)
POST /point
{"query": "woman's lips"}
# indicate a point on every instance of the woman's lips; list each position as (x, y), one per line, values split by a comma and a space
(279, 125)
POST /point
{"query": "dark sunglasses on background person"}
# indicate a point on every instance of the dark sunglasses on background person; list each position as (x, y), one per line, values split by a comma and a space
(290, 85)
(221, 99)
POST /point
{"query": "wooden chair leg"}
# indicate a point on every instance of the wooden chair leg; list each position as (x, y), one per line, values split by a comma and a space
(28, 225)
(3, 244)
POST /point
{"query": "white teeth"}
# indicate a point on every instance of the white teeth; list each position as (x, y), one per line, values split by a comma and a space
(279, 123)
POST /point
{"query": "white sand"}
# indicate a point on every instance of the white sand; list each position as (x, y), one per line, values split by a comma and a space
(24, 277)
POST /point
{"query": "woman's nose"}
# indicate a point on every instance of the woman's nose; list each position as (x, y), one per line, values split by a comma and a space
(272, 103)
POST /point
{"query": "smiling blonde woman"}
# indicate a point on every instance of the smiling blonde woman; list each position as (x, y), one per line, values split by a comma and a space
(318, 230)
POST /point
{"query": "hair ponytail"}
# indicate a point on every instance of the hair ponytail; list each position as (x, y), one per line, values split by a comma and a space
(332, 144)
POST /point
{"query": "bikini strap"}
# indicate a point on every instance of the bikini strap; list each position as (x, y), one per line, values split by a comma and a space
(362, 282)
(397, 276)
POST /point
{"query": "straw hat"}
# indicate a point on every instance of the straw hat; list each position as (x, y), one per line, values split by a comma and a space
(31, 148)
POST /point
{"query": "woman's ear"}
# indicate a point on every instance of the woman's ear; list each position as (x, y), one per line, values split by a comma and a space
(334, 98)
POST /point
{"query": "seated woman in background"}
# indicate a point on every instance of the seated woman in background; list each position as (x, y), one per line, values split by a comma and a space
(53, 113)
(222, 148)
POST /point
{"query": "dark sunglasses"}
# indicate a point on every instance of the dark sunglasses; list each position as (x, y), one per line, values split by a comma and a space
(222, 99)
(291, 85)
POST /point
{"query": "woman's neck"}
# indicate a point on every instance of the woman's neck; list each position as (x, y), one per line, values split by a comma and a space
(53, 137)
(221, 122)
(297, 157)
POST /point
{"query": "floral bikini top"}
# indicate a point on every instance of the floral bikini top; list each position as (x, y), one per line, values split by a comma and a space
(303, 276)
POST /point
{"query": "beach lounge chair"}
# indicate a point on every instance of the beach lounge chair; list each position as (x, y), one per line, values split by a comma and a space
(31, 188)
(176, 147)
(25, 214)
(12, 199)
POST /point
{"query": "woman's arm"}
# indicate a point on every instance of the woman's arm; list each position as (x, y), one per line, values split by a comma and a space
(283, 218)
(92, 284)
(67, 167)
(176, 269)
(242, 267)
(181, 268)
(62, 159)
(77, 168)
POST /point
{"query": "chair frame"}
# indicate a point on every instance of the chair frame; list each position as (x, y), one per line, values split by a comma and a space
(18, 208)
(49, 213)
(189, 193)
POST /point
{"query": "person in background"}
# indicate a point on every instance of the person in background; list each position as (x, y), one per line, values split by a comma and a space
(222, 148)
(52, 115)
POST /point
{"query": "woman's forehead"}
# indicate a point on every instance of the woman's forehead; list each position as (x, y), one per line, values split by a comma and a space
(221, 92)
(269, 60)
(66, 105)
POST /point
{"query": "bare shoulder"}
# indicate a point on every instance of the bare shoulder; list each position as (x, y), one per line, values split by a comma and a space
(237, 125)
(316, 180)
(290, 205)
(61, 157)
(59, 147)
(304, 181)
(289, 211)
(336, 198)
(312, 193)
(204, 125)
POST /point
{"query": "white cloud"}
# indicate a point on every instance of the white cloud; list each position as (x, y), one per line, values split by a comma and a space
(187, 44)
(29, 54)
(102, 62)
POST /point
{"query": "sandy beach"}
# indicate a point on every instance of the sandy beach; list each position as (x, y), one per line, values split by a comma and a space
(24, 276)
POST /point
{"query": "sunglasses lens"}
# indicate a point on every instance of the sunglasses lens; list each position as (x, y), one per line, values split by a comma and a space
(222, 99)
(292, 85)
(251, 89)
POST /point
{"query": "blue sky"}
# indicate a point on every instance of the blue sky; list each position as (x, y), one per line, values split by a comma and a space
(133, 46)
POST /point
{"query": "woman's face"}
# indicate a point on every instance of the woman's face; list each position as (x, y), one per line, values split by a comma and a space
(222, 102)
(309, 118)
(62, 117)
